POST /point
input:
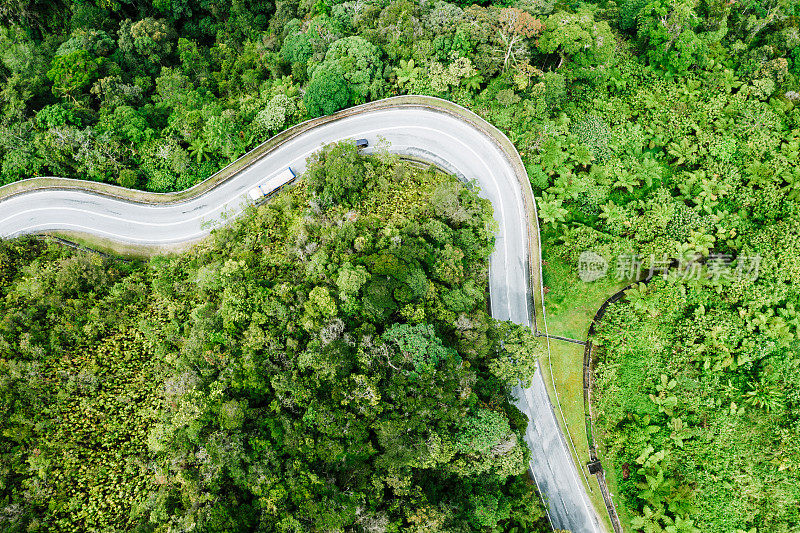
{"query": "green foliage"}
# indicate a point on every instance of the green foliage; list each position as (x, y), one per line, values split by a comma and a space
(275, 114)
(68, 391)
(407, 73)
(417, 344)
(218, 388)
(126, 124)
(356, 62)
(555, 90)
(550, 209)
(297, 48)
(519, 352)
(482, 431)
(666, 28)
(128, 178)
(327, 92)
(704, 386)
(595, 134)
(336, 174)
(585, 45)
(683, 142)
(73, 72)
(148, 39)
(349, 281)
(321, 303)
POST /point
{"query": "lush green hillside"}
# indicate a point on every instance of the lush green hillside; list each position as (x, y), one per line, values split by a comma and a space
(697, 391)
(324, 363)
(655, 133)
(159, 95)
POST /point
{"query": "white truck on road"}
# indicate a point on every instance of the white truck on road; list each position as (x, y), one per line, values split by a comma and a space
(266, 188)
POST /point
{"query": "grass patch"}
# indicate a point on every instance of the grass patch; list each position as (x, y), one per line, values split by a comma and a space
(570, 302)
(611, 480)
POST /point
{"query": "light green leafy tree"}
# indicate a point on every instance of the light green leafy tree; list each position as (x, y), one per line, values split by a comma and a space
(273, 116)
(418, 346)
(73, 72)
(518, 351)
(148, 39)
(550, 209)
(667, 27)
(349, 281)
(585, 45)
(407, 73)
(319, 307)
(485, 444)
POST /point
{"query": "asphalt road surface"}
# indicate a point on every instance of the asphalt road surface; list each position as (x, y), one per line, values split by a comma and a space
(437, 137)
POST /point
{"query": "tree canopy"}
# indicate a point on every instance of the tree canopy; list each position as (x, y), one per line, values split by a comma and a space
(304, 369)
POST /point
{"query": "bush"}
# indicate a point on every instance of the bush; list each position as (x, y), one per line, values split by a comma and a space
(594, 133)
(128, 178)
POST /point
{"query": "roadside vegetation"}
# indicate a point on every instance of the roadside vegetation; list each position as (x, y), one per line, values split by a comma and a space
(656, 134)
(697, 396)
(314, 366)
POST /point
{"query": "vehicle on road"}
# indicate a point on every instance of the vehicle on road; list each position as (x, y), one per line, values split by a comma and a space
(361, 143)
(268, 187)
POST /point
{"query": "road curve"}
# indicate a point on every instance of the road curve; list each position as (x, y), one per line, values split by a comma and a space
(425, 128)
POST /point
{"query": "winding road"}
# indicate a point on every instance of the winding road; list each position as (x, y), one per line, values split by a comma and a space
(424, 128)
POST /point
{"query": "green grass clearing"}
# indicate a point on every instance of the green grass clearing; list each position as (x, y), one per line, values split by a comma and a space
(570, 302)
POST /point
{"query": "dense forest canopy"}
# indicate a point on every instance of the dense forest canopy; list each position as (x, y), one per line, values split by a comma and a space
(160, 95)
(666, 130)
(324, 363)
